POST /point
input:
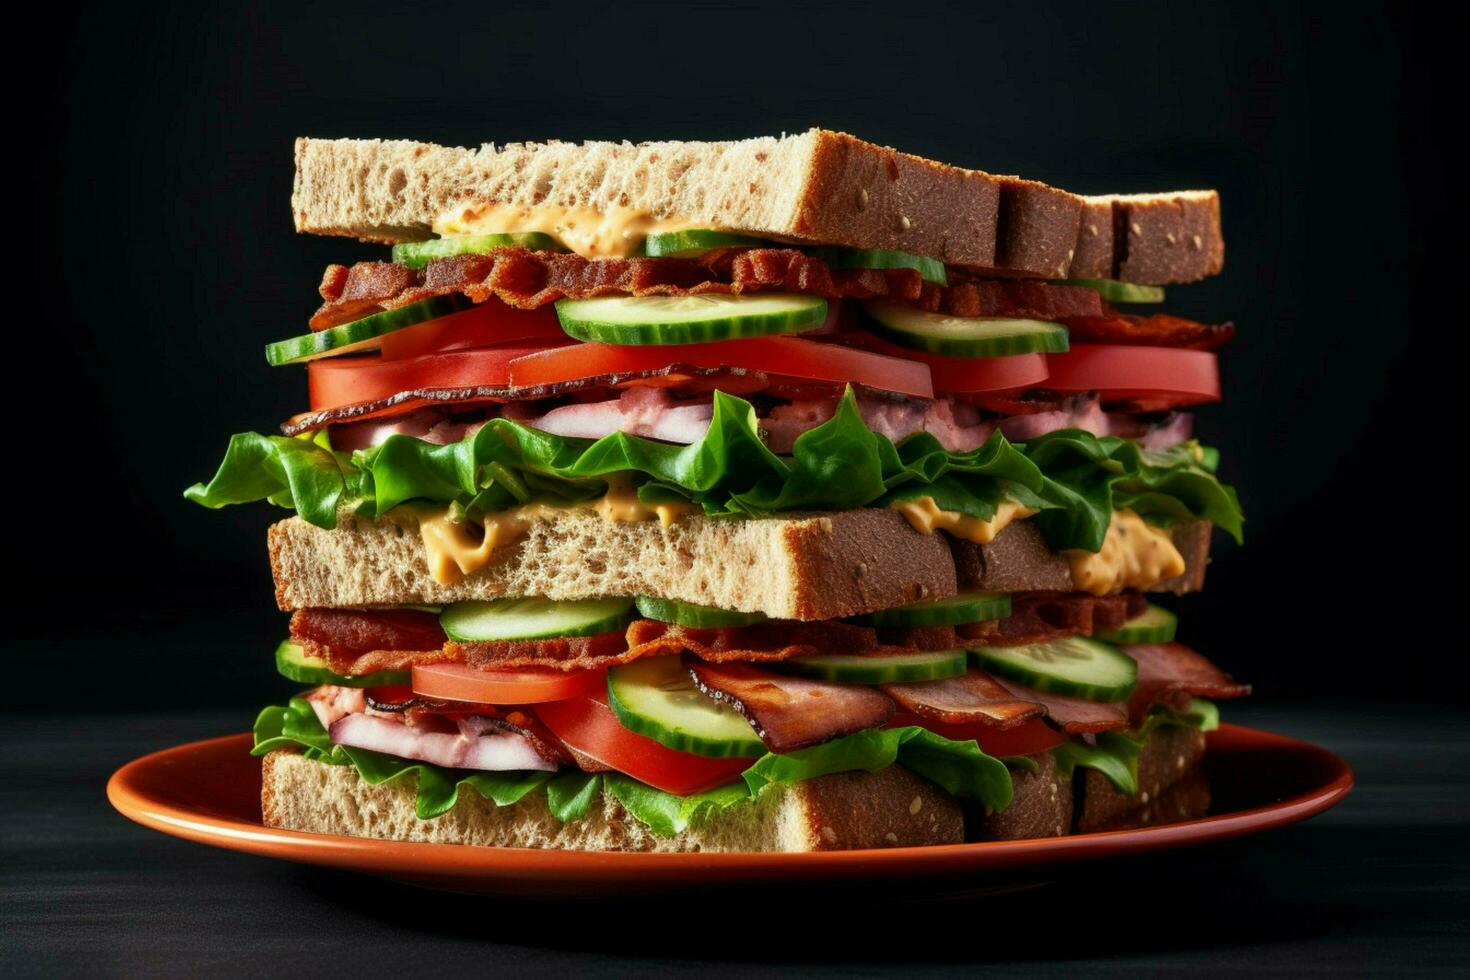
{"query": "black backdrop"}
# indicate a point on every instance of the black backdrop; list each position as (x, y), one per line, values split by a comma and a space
(162, 258)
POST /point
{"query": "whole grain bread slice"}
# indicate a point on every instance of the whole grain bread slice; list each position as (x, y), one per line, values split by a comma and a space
(802, 566)
(890, 808)
(817, 187)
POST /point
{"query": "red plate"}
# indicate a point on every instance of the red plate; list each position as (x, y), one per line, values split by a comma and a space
(210, 792)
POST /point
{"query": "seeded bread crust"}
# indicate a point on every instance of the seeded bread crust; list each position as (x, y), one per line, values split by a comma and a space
(810, 567)
(817, 187)
(891, 808)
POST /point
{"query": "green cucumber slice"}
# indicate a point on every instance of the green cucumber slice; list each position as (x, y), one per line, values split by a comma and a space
(695, 617)
(656, 697)
(1155, 625)
(533, 619)
(930, 270)
(964, 336)
(695, 241)
(852, 668)
(361, 334)
(1074, 666)
(416, 255)
(642, 320)
(966, 607)
(1119, 292)
(293, 664)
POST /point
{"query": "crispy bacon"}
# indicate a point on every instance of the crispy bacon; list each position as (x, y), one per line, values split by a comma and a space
(1171, 673)
(527, 279)
(1157, 330)
(561, 652)
(360, 631)
(762, 642)
(1039, 616)
(790, 713)
(1074, 716)
(973, 697)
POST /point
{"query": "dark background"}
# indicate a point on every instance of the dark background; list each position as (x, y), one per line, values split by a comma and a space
(162, 258)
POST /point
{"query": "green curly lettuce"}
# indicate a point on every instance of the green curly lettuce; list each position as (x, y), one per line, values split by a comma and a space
(1072, 479)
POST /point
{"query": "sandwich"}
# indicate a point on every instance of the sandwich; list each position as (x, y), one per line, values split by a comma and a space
(787, 494)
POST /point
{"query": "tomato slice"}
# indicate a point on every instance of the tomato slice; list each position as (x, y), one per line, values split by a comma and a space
(340, 381)
(1026, 739)
(486, 324)
(589, 726)
(791, 357)
(1162, 376)
(963, 374)
(518, 685)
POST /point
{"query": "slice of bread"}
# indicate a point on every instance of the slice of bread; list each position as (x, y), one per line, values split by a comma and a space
(1167, 756)
(802, 566)
(891, 808)
(817, 187)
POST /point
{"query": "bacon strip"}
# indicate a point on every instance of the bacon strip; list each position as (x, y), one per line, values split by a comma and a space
(1171, 673)
(360, 632)
(561, 652)
(1158, 330)
(1074, 716)
(526, 279)
(762, 642)
(973, 697)
(1039, 616)
(790, 713)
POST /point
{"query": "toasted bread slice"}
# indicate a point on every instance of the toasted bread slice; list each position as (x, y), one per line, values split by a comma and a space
(803, 566)
(891, 808)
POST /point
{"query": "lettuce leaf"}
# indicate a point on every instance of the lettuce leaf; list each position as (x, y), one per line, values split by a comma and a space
(665, 813)
(1116, 753)
(1073, 479)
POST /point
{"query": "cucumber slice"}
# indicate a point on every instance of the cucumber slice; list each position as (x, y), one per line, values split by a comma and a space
(533, 619)
(361, 334)
(1154, 625)
(1119, 292)
(416, 255)
(695, 617)
(930, 270)
(293, 664)
(852, 668)
(642, 320)
(966, 607)
(696, 241)
(1074, 666)
(655, 696)
(964, 336)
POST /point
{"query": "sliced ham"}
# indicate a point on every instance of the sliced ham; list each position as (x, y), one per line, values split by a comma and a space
(958, 427)
(330, 703)
(647, 412)
(972, 698)
(492, 753)
(1074, 716)
(790, 713)
(1171, 673)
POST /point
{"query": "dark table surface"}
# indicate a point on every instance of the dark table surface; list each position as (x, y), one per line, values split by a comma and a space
(1380, 885)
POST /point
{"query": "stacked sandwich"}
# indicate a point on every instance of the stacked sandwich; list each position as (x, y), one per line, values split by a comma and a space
(784, 494)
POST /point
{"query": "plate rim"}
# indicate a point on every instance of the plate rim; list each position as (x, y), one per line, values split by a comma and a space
(398, 858)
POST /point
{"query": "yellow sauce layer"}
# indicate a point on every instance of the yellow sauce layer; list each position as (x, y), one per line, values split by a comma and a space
(925, 516)
(455, 549)
(1134, 555)
(590, 233)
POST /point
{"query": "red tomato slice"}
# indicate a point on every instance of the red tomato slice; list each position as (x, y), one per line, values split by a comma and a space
(1166, 376)
(962, 374)
(589, 726)
(791, 357)
(339, 381)
(483, 325)
(1027, 739)
(519, 685)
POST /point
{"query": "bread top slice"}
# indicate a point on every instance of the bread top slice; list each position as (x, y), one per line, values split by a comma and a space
(799, 566)
(817, 187)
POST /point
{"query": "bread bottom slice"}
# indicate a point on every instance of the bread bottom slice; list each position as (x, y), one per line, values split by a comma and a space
(857, 810)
